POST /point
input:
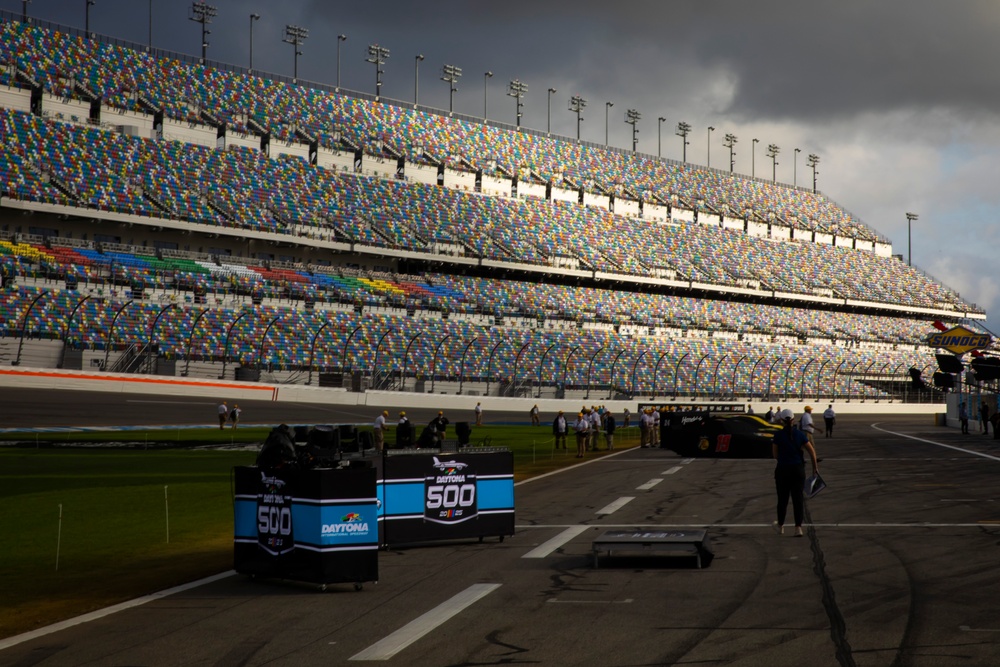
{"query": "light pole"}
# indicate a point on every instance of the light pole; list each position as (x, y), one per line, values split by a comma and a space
(340, 38)
(659, 136)
(517, 89)
(416, 79)
(203, 13)
(24, 10)
(910, 217)
(377, 56)
(253, 19)
(295, 36)
(682, 131)
(548, 114)
(753, 158)
(708, 159)
(486, 79)
(772, 152)
(795, 167)
(632, 117)
(812, 161)
(577, 104)
(730, 141)
(86, 23)
(607, 106)
(450, 75)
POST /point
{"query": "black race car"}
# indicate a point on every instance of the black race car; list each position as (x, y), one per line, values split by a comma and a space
(703, 433)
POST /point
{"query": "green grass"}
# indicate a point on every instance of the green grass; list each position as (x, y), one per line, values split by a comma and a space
(113, 540)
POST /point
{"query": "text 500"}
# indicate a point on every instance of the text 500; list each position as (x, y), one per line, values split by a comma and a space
(451, 495)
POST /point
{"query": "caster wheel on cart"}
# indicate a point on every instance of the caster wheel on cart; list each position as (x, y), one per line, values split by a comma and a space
(322, 588)
(358, 587)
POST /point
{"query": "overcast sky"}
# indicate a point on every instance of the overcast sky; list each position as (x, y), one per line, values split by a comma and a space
(899, 98)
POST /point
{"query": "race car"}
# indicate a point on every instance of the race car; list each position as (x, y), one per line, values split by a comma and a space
(703, 434)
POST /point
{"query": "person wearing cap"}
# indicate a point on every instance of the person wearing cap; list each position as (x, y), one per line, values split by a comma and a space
(234, 415)
(806, 423)
(438, 426)
(582, 429)
(403, 419)
(380, 428)
(788, 449)
(559, 428)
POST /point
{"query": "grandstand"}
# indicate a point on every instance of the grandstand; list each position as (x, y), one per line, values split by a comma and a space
(161, 215)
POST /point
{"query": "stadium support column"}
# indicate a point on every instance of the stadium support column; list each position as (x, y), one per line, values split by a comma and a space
(548, 114)
(253, 19)
(708, 160)
(486, 80)
(416, 79)
(86, 21)
(340, 38)
(795, 167)
(753, 158)
(607, 106)
(659, 136)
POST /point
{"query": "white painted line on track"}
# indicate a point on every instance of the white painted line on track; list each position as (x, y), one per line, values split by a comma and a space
(546, 548)
(938, 444)
(573, 467)
(650, 484)
(977, 524)
(392, 644)
(107, 611)
(670, 471)
(625, 601)
(616, 505)
(687, 461)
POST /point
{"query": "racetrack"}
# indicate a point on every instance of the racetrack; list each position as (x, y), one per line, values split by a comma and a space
(897, 568)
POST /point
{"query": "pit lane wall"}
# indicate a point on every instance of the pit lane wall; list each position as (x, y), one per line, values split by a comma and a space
(48, 378)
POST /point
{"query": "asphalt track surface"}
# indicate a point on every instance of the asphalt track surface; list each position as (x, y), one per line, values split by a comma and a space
(897, 568)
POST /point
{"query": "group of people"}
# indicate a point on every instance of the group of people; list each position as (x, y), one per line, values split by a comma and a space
(229, 415)
(436, 428)
(589, 424)
(806, 421)
(985, 419)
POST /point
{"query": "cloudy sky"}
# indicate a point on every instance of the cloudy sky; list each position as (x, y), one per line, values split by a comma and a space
(899, 98)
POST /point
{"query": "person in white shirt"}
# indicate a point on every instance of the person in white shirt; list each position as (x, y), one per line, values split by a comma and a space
(830, 418)
(380, 428)
(595, 427)
(806, 423)
(582, 429)
(479, 414)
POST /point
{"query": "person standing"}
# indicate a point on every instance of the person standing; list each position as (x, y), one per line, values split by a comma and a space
(829, 419)
(234, 415)
(626, 417)
(984, 418)
(769, 415)
(223, 415)
(559, 429)
(438, 427)
(644, 428)
(534, 415)
(595, 427)
(609, 430)
(806, 423)
(749, 409)
(963, 418)
(381, 427)
(479, 414)
(788, 448)
(582, 429)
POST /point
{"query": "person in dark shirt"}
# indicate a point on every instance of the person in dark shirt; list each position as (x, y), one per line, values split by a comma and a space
(788, 449)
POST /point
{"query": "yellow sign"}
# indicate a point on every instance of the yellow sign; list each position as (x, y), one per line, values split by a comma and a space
(959, 340)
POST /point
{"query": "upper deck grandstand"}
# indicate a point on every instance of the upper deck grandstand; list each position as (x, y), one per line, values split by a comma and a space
(280, 219)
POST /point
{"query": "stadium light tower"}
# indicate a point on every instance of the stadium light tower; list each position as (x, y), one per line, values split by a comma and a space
(486, 80)
(548, 114)
(377, 56)
(812, 161)
(340, 38)
(772, 152)
(795, 167)
(708, 160)
(607, 105)
(253, 19)
(753, 158)
(416, 79)
(86, 23)
(577, 104)
(450, 75)
(24, 10)
(632, 117)
(682, 131)
(203, 13)
(517, 89)
(730, 141)
(295, 36)
(659, 136)
(910, 217)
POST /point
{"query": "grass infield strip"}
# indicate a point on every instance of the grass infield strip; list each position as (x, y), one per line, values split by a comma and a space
(97, 505)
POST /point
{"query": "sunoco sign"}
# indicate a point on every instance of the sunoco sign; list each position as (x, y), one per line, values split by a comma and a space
(959, 340)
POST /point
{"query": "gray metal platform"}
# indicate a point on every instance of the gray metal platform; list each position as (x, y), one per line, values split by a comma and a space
(667, 543)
